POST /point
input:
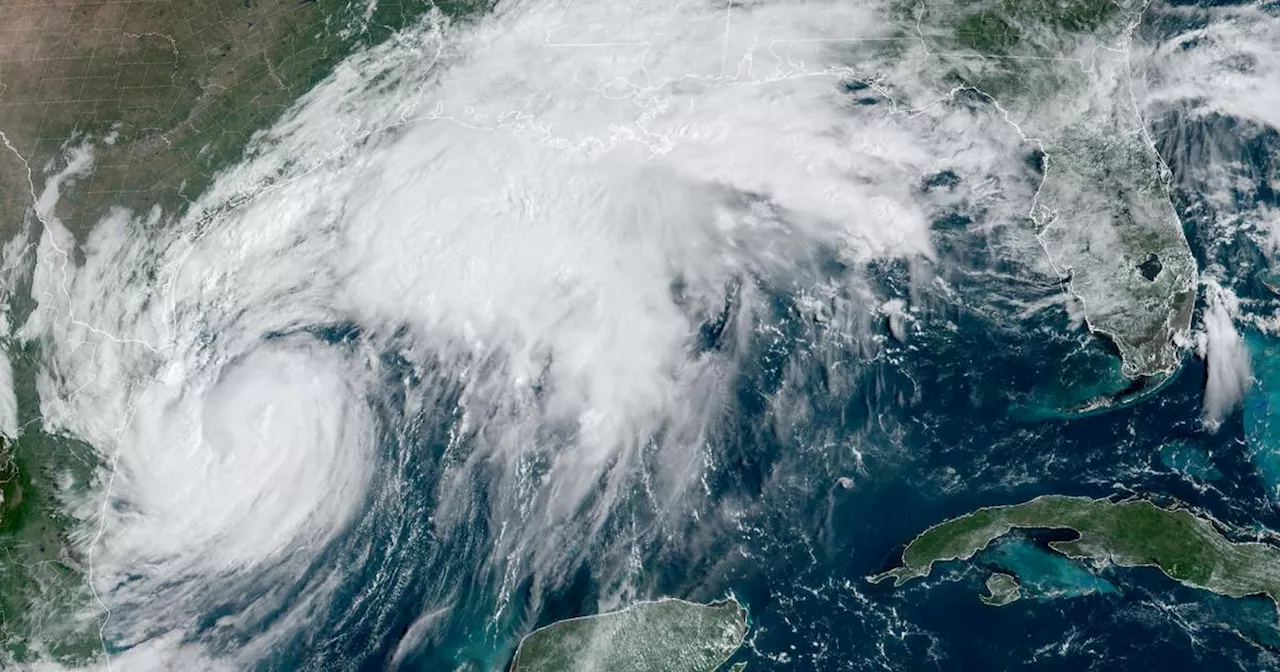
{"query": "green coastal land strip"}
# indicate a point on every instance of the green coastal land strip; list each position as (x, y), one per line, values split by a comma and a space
(168, 94)
(664, 636)
(1133, 533)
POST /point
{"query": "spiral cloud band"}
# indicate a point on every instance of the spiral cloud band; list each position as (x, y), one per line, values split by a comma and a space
(451, 308)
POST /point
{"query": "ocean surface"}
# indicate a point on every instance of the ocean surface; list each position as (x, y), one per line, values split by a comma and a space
(830, 459)
(822, 473)
(840, 431)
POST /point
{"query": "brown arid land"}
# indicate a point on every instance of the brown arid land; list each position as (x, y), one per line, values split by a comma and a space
(167, 91)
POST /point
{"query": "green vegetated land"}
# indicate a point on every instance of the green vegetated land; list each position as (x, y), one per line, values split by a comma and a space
(662, 636)
(995, 27)
(1058, 70)
(169, 94)
(1134, 533)
(44, 602)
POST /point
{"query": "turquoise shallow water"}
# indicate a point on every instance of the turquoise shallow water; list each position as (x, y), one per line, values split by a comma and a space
(825, 462)
(1261, 424)
(1190, 459)
(827, 458)
(1043, 573)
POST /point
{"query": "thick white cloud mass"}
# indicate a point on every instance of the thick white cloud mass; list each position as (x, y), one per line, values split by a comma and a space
(8, 401)
(1208, 84)
(1225, 62)
(536, 215)
(1227, 357)
(542, 208)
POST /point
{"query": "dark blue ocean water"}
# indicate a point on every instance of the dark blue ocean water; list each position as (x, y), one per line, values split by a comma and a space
(971, 410)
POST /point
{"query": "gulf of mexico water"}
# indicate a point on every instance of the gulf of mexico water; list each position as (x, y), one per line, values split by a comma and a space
(825, 465)
(832, 454)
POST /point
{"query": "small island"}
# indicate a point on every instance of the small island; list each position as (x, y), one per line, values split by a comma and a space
(1001, 590)
(664, 636)
(1132, 533)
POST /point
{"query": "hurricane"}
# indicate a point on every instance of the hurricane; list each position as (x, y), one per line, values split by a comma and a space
(359, 329)
(488, 320)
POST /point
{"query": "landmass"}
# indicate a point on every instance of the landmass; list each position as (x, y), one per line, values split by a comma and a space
(45, 602)
(166, 95)
(1057, 71)
(1001, 590)
(1133, 533)
(664, 636)
(1042, 573)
